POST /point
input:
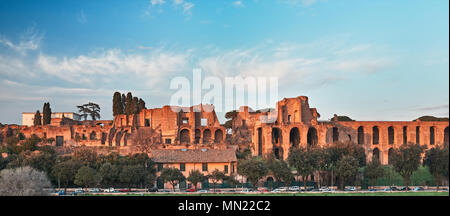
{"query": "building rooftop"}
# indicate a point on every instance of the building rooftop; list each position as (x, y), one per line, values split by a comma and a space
(193, 156)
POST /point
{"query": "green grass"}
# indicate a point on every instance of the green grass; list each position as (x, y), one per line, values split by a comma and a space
(424, 193)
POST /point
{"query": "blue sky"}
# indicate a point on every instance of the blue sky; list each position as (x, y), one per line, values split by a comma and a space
(370, 60)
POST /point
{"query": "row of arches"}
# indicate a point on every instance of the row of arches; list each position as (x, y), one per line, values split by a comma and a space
(391, 135)
(185, 136)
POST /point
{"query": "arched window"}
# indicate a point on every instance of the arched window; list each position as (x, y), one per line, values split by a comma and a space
(361, 135)
(198, 135)
(206, 136)
(390, 154)
(376, 135)
(260, 146)
(432, 138)
(185, 136)
(294, 137)
(312, 137)
(335, 134)
(391, 135)
(405, 135)
(417, 135)
(218, 136)
(376, 154)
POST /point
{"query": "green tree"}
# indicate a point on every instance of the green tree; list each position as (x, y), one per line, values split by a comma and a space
(406, 160)
(436, 160)
(132, 175)
(117, 104)
(280, 171)
(172, 175)
(195, 177)
(373, 171)
(91, 109)
(64, 172)
(46, 114)
(87, 177)
(109, 174)
(346, 167)
(37, 118)
(141, 104)
(303, 161)
(254, 169)
(216, 176)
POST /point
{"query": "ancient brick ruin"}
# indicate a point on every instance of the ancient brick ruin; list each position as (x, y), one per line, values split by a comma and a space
(292, 123)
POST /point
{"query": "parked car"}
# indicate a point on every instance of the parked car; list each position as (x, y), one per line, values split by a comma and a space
(404, 188)
(393, 188)
(191, 190)
(283, 189)
(109, 190)
(276, 190)
(350, 188)
(154, 189)
(372, 189)
(94, 190)
(125, 190)
(418, 189)
(203, 191)
(324, 189)
(294, 188)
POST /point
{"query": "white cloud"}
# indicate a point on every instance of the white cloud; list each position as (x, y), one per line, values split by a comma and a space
(187, 7)
(30, 41)
(238, 4)
(157, 2)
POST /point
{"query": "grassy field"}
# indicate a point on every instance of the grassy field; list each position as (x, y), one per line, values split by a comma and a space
(424, 193)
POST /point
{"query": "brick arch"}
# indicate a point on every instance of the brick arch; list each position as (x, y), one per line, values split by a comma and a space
(376, 154)
(391, 135)
(446, 136)
(312, 137)
(432, 135)
(375, 135)
(185, 136)
(361, 135)
(294, 137)
(206, 136)
(218, 136)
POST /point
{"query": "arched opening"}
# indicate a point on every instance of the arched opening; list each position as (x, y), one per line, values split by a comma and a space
(376, 154)
(335, 134)
(259, 141)
(118, 137)
(198, 135)
(294, 137)
(276, 142)
(390, 155)
(185, 136)
(218, 136)
(206, 136)
(405, 135)
(446, 136)
(312, 137)
(125, 139)
(269, 183)
(391, 135)
(93, 136)
(432, 138)
(417, 135)
(360, 135)
(104, 136)
(375, 135)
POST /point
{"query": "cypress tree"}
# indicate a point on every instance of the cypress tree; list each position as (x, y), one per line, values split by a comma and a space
(129, 104)
(46, 114)
(135, 105)
(117, 104)
(37, 118)
(141, 104)
(124, 102)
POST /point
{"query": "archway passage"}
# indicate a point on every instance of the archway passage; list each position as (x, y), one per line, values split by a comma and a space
(446, 136)
(432, 136)
(417, 135)
(93, 136)
(376, 154)
(390, 155)
(198, 135)
(405, 135)
(184, 136)
(259, 141)
(376, 135)
(361, 135)
(206, 136)
(218, 136)
(276, 143)
(312, 138)
(294, 137)
(335, 134)
(391, 135)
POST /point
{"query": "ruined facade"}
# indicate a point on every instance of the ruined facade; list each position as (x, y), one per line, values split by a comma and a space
(174, 127)
(294, 123)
